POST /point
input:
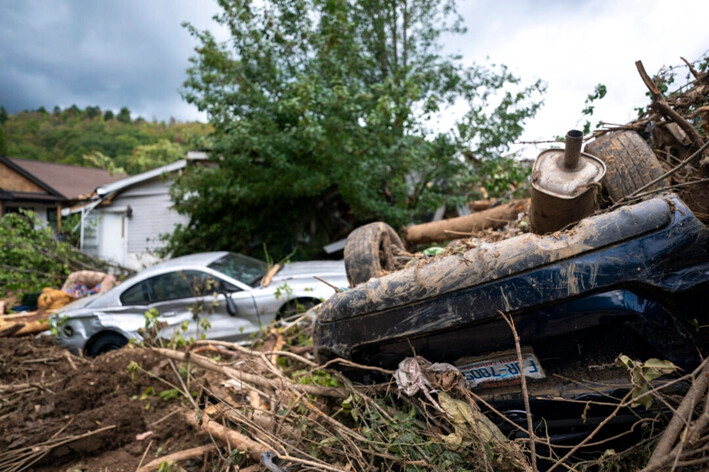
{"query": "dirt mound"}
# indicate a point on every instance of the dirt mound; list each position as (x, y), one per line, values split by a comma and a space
(89, 411)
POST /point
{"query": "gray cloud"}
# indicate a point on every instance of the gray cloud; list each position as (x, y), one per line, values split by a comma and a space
(112, 54)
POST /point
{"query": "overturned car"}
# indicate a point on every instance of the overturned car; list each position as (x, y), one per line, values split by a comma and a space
(631, 281)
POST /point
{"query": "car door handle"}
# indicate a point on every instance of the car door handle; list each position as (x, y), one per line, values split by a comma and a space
(169, 314)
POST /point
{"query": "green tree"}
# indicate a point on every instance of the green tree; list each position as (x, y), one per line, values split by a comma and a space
(108, 115)
(67, 138)
(92, 112)
(323, 117)
(155, 155)
(101, 161)
(3, 115)
(124, 115)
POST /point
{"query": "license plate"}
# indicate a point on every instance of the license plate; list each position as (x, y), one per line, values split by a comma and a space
(501, 369)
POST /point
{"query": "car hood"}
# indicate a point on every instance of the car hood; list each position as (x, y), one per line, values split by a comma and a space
(309, 269)
(78, 304)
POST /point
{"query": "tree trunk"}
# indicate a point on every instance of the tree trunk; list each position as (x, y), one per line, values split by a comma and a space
(453, 228)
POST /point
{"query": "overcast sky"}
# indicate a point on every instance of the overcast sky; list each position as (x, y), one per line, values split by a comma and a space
(134, 53)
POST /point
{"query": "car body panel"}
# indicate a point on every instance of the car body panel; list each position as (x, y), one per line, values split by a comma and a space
(632, 281)
(206, 289)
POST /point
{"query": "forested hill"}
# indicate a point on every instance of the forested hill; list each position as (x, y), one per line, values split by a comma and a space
(97, 138)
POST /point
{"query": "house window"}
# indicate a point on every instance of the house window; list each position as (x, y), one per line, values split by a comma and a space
(52, 218)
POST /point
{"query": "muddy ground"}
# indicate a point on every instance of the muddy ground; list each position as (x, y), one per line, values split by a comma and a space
(47, 395)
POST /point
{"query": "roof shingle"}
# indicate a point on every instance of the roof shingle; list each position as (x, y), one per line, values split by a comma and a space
(70, 181)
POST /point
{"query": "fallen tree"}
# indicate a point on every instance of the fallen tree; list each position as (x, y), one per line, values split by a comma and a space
(463, 226)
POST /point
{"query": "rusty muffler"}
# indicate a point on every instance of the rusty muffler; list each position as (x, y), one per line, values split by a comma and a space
(565, 183)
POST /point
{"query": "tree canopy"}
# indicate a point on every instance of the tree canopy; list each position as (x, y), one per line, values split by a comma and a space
(324, 117)
(93, 138)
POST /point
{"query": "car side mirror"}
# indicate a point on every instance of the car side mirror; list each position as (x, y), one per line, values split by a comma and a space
(230, 305)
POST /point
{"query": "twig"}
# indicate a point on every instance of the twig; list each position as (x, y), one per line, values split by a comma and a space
(694, 71)
(669, 173)
(660, 104)
(335, 288)
(669, 187)
(525, 395)
(254, 379)
(150, 444)
(679, 419)
(588, 438)
(339, 360)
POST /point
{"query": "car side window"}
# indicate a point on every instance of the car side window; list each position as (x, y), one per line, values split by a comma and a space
(136, 295)
(170, 286)
(203, 284)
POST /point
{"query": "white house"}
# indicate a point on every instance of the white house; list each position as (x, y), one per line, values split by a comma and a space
(124, 223)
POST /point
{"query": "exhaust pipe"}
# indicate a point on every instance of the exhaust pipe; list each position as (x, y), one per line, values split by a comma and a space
(572, 151)
(562, 185)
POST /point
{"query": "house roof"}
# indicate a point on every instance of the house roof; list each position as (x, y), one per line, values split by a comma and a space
(63, 180)
(121, 184)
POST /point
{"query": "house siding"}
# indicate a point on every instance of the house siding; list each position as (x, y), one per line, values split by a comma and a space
(152, 215)
(132, 214)
(12, 180)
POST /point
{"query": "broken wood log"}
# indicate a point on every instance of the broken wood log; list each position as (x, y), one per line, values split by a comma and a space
(437, 231)
(179, 456)
(480, 205)
(33, 327)
(266, 281)
(9, 329)
(227, 436)
(21, 324)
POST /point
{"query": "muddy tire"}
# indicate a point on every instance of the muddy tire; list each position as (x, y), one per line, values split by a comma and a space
(368, 252)
(105, 342)
(630, 163)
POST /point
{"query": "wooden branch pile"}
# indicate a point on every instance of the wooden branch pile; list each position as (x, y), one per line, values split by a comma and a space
(275, 409)
(677, 125)
(279, 409)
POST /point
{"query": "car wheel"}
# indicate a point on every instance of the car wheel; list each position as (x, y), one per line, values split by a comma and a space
(105, 342)
(368, 252)
(296, 307)
(630, 163)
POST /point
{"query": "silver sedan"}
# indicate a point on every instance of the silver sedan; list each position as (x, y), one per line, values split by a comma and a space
(217, 295)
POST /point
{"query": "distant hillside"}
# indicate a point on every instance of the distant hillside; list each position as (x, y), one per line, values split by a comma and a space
(96, 138)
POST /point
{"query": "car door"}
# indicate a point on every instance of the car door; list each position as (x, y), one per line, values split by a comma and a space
(170, 294)
(210, 304)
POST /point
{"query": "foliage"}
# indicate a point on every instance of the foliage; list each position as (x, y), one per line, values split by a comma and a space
(31, 257)
(598, 93)
(641, 374)
(89, 138)
(324, 117)
(150, 156)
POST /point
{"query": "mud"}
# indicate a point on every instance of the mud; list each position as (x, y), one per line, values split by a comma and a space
(66, 396)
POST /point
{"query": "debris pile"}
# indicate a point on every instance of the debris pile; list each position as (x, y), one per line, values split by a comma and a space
(35, 320)
(676, 125)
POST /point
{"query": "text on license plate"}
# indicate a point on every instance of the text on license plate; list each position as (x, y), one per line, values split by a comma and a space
(501, 369)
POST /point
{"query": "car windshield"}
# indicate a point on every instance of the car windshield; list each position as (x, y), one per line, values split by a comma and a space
(242, 268)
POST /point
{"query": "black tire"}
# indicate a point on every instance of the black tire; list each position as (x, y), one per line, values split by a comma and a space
(368, 252)
(630, 163)
(104, 342)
